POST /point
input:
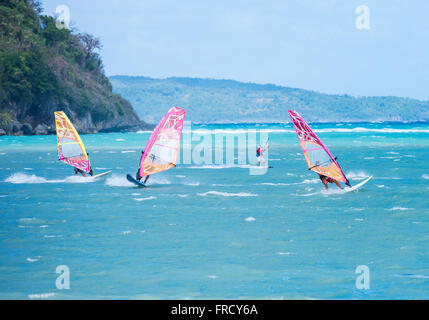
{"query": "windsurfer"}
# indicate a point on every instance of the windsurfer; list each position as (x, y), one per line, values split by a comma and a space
(326, 180)
(77, 171)
(138, 177)
(259, 154)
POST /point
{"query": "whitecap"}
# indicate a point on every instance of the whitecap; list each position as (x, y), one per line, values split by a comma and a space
(33, 260)
(145, 199)
(400, 209)
(192, 184)
(277, 184)
(306, 181)
(41, 295)
(416, 276)
(21, 178)
(118, 181)
(128, 151)
(249, 219)
(226, 194)
(357, 175)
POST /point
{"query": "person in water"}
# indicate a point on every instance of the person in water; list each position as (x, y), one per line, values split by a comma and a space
(260, 156)
(326, 180)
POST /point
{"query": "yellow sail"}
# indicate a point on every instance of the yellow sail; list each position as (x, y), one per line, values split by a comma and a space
(70, 147)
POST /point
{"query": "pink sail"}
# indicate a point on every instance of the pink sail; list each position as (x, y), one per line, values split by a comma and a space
(317, 155)
(161, 151)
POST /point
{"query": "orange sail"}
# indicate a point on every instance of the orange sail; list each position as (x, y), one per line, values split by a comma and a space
(163, 146)
(317, 155)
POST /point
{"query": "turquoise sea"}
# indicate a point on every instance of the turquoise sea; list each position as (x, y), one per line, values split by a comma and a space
(214, 231)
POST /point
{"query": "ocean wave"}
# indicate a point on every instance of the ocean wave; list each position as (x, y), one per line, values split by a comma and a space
(284, 253)
(227, 194)
(415, 276)
(382, 130)
(400, 209)
(23, 178)
(145, 199)
(291, 130)
(159, 180)
(118, 181)
(357, 175)
(277, 184)
(41, 295)
(192, 184)
(309, 181)
(128, 151)
(35, 259)
(425, 176)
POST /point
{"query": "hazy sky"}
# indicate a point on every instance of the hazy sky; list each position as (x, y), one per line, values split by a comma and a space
(300, 43)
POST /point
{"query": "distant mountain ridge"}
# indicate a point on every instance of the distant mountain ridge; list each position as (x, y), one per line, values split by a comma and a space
(230, 101)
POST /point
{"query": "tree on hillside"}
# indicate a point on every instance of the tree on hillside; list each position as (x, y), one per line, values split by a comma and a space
(90, 44)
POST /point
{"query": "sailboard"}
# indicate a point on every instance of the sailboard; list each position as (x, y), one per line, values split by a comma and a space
(357, 186)
(132, 180)
(161, 150)
(317, 155)
(101, 174)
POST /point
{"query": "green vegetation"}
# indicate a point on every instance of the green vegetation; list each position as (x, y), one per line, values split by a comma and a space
(44, 69)
(227, 101)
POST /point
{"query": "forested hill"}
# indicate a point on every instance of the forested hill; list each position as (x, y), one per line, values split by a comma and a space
(228, 101)
(44, 69)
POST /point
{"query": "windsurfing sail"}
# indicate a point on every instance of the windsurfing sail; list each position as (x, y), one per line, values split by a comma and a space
(317, 155)
(70, 147)
(161, 150)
